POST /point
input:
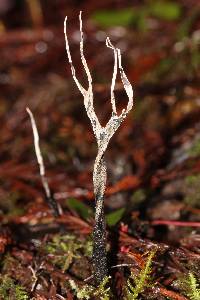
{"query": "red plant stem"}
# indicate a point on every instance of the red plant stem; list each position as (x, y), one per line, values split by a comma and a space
(175, 223)
(171, 294)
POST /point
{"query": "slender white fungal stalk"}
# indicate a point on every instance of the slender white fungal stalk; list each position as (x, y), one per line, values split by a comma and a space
(50, 200)
(103, 136)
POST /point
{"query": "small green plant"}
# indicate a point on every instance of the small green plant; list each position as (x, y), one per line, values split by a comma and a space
(194, 151)
(136, 284)
(194, 292)
(64, 249)
(192, 190)
(10, 290)
(10, 204)
(189, 286)
(138, 197)
(102, 292)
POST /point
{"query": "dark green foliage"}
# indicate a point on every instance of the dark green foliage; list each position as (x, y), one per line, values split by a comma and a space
(138, 197)
(187, 23)
(114, 217)
(165, 10)
(82, 209)
(107, 18)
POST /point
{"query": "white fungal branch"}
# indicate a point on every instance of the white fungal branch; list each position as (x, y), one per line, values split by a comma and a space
(56, 208)
(85, 65)
(127, 86)
(101, 133)
(109, 45)
(36, 143)
(87, 94)
(39, 154)
(80, 87)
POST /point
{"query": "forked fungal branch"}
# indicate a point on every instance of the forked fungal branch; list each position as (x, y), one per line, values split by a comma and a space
(103, 136)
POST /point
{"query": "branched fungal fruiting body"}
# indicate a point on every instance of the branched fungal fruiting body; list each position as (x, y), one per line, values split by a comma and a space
(103, 136)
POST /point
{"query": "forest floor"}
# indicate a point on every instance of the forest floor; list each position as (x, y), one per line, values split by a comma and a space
(152, 202)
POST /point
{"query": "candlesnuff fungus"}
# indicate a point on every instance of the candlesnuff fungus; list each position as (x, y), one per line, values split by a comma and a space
(103, 136)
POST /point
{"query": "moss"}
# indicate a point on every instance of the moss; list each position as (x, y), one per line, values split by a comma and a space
(11, 290)
(102, 292)
(8, 262)
(63, 249)
(192, 190)
(138, 197)
(136, 284)
(194, 292)
(195, 149)
(10, 204)
(189, 286)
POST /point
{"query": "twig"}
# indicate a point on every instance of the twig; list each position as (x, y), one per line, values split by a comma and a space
(49, 198)
(35, 9)
(88, 278)
(175, 223)
(170, 294)
(122, 265)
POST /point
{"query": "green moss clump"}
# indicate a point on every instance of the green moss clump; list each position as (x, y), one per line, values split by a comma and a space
(195, 149)
(136, 284)
(189, 286)
(11, 290)
(65, 248)
(102, 292)
(192, 190)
